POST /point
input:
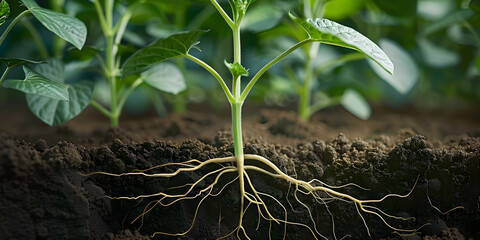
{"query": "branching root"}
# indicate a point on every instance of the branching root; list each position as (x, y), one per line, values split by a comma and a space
(319, 192)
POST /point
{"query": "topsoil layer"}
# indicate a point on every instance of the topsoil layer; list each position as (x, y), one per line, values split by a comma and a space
(44, 195)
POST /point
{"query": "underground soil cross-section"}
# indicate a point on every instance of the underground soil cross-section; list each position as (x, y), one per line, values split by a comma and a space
(44, 194)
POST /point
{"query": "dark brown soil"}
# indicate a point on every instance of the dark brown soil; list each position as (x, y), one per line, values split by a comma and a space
(44, 196)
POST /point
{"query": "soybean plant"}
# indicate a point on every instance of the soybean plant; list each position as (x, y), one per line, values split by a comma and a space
(110, 62)
(48, 96)
(179, 45)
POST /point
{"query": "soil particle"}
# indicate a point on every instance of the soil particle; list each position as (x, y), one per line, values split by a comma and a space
(118, 133)
(41, 145)
(447, 234)
(103, 156)
(62, 154)
(285, 127)
(126, 235)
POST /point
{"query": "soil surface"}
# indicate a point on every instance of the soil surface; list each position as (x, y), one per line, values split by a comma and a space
(44, 194)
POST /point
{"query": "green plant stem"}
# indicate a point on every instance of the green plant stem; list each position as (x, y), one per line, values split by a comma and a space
(236, 106)
(306, 91)
(215, 74)
(100, 108)
(36, 38)
(255, 78)
(157, 101)
(4, 75)
(237, 53)
(223, 13)
(110, 55)
(101, 16)
(293, 78)
(111, 75)
(10, 26)
(125, 96)
(109, 12)
(238, 148)
(110, 66)
(304, 103)
(179, 104)
(102, 63)
(58, 43)
(121, 27)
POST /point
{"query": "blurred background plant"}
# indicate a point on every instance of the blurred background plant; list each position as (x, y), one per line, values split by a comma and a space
(434, 45)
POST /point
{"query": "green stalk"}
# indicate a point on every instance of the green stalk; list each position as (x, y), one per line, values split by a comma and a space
(223, 13)
(237, 132)
(101, 16)
(58, 43)
(237, 117)
(304, 103)
(239, 156)
(124, 98)
(110, 59)
(304, 109)
(214, 74)
(111, 66)
(237, 104)
(10, 26)
(100, 108)
(293, 79)
(4, 75)
(237, 57)
(179, 104)
(257, 76)
(112, 79)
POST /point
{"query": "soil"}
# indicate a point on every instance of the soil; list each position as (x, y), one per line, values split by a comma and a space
(44, 194)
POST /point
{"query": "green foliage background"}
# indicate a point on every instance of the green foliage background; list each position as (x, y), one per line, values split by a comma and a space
(441, 37)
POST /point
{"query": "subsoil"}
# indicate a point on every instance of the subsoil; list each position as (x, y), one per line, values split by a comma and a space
(44, 193)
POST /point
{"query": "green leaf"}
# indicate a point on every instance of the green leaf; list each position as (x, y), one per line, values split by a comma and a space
(14, 62)
(4, 11)
(453, 18)
(436, 56)
(165, 77)
(66, 27)
(329, 32)
(435, 10)
(52, 69)
(38, 84)
(262, 17)
(353, 102)
(407, 73)
(239, 7)
(54, 112)
(236, 69)
(176, 45)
